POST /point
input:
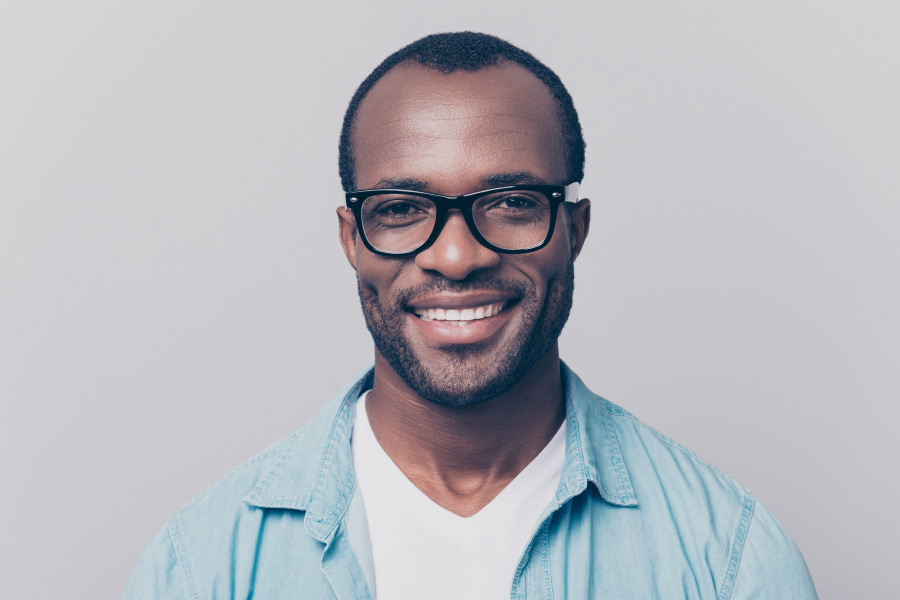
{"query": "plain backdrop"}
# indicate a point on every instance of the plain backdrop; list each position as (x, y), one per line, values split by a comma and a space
(173, 297)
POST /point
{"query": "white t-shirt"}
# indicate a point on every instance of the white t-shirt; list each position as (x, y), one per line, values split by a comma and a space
(423, 551)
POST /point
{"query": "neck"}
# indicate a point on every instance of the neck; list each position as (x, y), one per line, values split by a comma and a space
(463, 457)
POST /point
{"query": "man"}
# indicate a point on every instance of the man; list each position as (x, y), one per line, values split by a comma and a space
(470, 462)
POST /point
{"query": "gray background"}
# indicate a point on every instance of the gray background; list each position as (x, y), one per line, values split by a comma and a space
(173, 297)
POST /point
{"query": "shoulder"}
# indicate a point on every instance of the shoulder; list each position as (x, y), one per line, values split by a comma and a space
(682, 518)
(770, 565)
(198, 535)
(657, 462)
(637, 462)
(253, 520)
(225, 499)
(698, 504)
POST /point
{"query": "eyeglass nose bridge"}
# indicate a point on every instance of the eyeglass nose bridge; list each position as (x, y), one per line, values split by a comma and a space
(464, 205)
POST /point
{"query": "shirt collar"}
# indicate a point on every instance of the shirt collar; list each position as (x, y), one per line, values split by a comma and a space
(314, 472)
(592, 446)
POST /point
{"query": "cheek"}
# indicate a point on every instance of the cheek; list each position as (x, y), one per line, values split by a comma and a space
(551, 263)
(560, 247)
(377, 274)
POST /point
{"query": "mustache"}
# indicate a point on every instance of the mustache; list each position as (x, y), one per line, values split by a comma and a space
(479, 284)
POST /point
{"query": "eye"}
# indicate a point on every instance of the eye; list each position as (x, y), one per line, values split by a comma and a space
(511, 208)
(516, 202)
(397, 209)
(396, 212)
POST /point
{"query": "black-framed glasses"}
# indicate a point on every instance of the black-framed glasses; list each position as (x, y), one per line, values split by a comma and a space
(513, 219)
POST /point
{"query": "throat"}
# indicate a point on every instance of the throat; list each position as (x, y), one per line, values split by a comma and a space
(463, 495)
(462, 458)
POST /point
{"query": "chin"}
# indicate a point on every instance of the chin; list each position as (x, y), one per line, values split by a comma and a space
(463, 375)
(458, 383)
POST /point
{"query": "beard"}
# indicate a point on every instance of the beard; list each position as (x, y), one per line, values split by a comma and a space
(469, 374)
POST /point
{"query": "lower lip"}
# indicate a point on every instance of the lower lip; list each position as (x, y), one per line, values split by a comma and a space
(476, 331)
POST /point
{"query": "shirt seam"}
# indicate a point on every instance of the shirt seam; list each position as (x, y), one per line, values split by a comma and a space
(265, 456)
(256, 495)
(545, 551)
(179, 545)
(579, 451)
(618, 462)
(737, 547)
(669, 441)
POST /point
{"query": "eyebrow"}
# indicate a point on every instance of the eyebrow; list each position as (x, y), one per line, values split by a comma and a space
(522, 177)
(494, 180)
(403, 183)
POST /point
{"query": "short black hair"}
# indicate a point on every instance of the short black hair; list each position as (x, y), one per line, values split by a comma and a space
(468, 51)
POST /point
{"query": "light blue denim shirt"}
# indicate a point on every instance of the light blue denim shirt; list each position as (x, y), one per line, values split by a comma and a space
(636, 516)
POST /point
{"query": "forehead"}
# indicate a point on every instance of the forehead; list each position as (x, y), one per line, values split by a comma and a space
(452, 132)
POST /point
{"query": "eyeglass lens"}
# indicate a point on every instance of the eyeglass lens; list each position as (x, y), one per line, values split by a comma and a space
(511, 220)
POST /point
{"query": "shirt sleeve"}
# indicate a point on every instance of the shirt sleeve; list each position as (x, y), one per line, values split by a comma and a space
(771, 565)
(159, 574)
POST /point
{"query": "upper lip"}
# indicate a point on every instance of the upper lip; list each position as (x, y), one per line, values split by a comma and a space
(459, 301)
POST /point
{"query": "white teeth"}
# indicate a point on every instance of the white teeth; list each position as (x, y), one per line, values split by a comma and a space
(460, 317)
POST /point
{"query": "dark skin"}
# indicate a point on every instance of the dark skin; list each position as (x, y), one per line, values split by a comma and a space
(456, 134)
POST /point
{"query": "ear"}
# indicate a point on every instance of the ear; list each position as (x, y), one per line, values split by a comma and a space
(347, 233)
(580, 215)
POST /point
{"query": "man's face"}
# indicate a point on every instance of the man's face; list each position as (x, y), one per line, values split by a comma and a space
(456, 134)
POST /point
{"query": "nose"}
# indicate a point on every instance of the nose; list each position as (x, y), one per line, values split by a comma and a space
(456, 253)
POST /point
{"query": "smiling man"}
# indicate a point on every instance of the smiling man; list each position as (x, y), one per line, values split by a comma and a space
(469, 462)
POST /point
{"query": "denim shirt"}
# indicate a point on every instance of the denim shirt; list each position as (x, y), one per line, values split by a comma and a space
(636, 516)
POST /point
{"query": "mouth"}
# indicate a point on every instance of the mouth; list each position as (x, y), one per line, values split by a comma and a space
(447, 319)
(460, 317)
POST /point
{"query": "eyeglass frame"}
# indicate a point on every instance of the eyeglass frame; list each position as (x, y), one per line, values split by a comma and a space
(556, 194)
